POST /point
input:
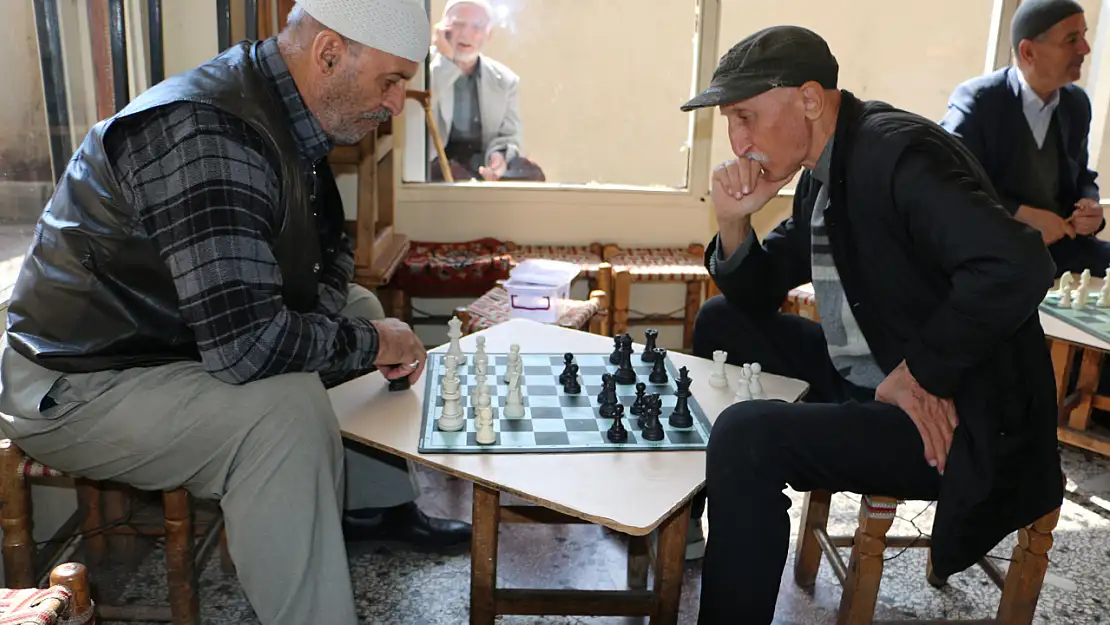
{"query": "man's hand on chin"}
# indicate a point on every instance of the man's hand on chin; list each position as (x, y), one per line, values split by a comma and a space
(934, 417)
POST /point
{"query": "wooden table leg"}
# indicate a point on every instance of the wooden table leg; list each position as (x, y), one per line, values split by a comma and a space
(483, 555)
(639, 561)
(1090, 369)
(1063, 355)
(669, 566)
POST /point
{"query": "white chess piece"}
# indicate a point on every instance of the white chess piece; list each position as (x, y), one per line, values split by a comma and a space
(485, 434)
(480, 353)
(1065, 283)
(743, 390)
(755, 384)
(1080, 299)
(479, 388)
(1085, 279)
(452, 418)
(1065, 298)
(1104, 293)
(450, 368)
(454, 332)
(516, 364)
(514, 403)
(718, 379)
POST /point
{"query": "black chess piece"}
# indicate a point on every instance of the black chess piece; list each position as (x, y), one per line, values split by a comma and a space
(608, 397)
(653, 429)
(617, 433)
(399, 384)
(625, 374)
(648, 355)
(568, 359)
(681, 417)
(659, 368)
(571, 386)
(606, 378)
(638, 405)
(615, 357)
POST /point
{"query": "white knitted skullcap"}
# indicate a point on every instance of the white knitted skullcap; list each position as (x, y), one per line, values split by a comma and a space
(397, 27)
(481, 4)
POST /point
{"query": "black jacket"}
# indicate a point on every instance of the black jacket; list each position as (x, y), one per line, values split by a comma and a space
(938, 275)
(986, 112)
(93, 293)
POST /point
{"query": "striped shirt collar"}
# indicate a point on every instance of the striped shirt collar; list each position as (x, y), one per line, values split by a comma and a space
(307, 132)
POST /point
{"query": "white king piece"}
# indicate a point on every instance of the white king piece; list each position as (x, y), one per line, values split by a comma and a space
(397, 27)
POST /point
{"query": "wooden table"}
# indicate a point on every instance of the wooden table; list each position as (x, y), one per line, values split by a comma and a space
(655, 494)
(1076, 407)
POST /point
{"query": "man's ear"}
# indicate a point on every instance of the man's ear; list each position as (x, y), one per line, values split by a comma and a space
(1025, 50)
(327, 47)
(813, 99)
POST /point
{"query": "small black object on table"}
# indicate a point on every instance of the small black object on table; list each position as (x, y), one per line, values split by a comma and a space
(399, 384)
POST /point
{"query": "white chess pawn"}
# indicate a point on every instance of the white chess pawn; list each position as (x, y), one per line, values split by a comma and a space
(1104, 293)
(480, 353)
(1065, 298)
(450, 367)
(452, 418)
(515, 364)
(718, 379)
(1085, 279)
(514, 403)
(485, 434)
(754, 384)
(480, 388)
(454, 332)
(743, 390)
(1080, 299)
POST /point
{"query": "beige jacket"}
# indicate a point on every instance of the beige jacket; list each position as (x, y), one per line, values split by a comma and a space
(497, 99)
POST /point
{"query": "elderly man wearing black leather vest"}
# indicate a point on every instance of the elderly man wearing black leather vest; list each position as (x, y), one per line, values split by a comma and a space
(186, 302)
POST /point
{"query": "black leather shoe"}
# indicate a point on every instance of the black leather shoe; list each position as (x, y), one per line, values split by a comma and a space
(408, 524)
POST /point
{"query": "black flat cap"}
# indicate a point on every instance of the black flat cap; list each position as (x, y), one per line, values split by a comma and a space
(1034, 17)
(779, 56)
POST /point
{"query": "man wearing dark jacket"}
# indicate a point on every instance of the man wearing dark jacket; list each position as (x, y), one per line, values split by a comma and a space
(929, 376)
(1028, 124)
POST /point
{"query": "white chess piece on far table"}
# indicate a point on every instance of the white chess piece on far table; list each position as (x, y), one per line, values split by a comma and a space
(717, 379)
(454, 332)
(743, 389)
(485, 434)
(514, 403)
(755, 384)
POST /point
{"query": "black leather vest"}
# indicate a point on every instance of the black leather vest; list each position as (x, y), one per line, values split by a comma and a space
(93, 293)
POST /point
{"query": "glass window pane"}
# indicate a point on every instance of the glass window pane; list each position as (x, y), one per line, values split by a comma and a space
(599, 91)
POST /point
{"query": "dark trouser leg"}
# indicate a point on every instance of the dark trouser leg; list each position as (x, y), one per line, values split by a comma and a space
(760, 447)
(1082, 252)
(786, 345)
(522, 169)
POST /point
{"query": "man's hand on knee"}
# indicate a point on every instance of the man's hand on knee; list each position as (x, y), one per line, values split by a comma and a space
(400, 352)
(934, 417)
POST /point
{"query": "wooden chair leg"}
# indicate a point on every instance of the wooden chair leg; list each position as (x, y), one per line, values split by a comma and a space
(604, 283)
(807, 554)
(75, 577)
(227, 565)
(693, 303)
(622, 294)
(180, 573)
(15, 519)
(92, 520)
(865, 567)
(599, 323)
(1027, 570)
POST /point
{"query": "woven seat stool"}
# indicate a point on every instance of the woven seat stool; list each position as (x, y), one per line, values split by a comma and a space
(658, 265)
(65, 602)
(1020, 585)
(802, 302)
(182, 560)
(493, 308)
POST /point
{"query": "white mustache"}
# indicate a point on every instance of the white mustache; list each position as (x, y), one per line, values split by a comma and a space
(381, 115)
(759, 158)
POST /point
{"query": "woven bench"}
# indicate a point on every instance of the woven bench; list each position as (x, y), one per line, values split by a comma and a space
(65, 602)
(182, 560)
(860, 578)
(801, 301)
(660, 265)
(493, 308)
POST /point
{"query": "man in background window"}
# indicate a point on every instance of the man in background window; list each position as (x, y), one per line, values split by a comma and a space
(474, 100)
(1028, 124)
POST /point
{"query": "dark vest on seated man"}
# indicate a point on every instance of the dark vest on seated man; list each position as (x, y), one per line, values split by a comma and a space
(94, 294)
(988, 114)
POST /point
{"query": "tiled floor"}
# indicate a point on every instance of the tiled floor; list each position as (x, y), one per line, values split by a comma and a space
(394, 585)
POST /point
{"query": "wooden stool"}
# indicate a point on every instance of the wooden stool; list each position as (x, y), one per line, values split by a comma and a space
(661, 266)
(1021, 584)
(802, 302)
(493, 308)
(65, 602)
(181, 562)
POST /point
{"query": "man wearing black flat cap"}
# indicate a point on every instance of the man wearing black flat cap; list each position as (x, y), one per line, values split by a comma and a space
(929, 376)
(1028, 125)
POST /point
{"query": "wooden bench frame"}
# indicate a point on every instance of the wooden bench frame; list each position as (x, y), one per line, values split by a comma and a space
(1020, 585)
(697, 291)
(1074, 420)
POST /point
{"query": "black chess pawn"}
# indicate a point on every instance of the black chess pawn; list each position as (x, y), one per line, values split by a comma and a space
(568, 359)
(638, 405)
(608, 397)
(659, 368)
(625, 374)
(571, 386)
(615, 357)
(653, 428)
(617, 433)
(648, 355)
(606, 378)
(681, 417)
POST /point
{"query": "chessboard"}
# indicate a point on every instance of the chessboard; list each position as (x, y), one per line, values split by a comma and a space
(555, 421)
(1090, 319)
